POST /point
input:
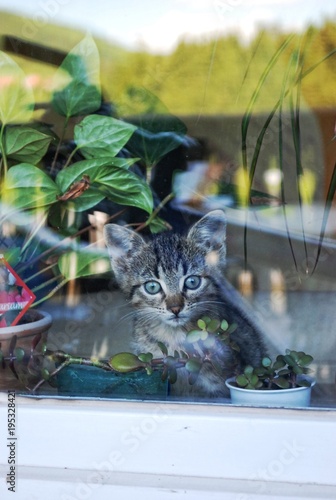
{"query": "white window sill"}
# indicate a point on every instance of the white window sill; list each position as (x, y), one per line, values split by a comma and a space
(100, 449)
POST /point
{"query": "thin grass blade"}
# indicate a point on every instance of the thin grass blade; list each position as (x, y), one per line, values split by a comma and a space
(326, 212)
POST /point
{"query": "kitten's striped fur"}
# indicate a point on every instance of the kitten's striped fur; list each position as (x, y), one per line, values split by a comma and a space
(172, 281)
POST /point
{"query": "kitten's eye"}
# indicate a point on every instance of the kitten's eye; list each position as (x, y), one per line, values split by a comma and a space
(152, 287)
(192, 282)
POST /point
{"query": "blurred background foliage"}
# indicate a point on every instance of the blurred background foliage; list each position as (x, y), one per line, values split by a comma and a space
(204, 77)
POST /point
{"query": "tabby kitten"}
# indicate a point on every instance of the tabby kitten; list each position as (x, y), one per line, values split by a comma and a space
(172, 281)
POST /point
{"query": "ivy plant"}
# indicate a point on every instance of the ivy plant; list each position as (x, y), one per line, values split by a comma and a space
(48, 180)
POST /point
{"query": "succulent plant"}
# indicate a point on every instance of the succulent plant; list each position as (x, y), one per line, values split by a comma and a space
(280, 374)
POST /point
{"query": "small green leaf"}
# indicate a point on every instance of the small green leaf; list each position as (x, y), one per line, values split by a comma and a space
(306, 360)
(125, 362)
(303, 383)
(224, 325)
(204, 335)
(193, 336)
(19, 353)
(279, 364)
(102, 136)
(298, 370)
(157, 225)
(146, 357)
(16, 97)
(193, 365)
(172, 376)
(163, 348)
(201, 324)
(79, 75)
(282, 383)
(45, 374)
(158, 132)
(27, 186)
(164, 375)
(248, 370)
(23, 143)
(242, 380)
(81, 263)
(266, 362)
(213, 326)
(254, 380)
(111, 179)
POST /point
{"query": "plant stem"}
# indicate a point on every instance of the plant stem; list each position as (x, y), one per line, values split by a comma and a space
(3, 152)
(68, 238)
(71, 155)
(53, 165)
(52, 293)
(155, 212)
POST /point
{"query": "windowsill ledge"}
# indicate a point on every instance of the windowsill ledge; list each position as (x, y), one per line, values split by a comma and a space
(207, 447)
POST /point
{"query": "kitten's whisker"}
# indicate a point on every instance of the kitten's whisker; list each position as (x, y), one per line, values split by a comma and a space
(126, 317)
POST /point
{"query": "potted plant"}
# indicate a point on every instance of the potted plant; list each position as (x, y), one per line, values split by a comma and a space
(52, 175)
(283, 382)
(138, 375)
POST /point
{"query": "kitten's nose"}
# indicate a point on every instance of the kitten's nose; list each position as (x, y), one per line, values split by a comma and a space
(176, 310)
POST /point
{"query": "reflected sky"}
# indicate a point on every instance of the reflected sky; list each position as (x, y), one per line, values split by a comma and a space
(159, 25)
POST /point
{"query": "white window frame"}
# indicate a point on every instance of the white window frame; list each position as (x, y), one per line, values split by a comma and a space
(83, 449)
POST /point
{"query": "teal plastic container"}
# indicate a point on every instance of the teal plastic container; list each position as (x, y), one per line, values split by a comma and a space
(89, 381)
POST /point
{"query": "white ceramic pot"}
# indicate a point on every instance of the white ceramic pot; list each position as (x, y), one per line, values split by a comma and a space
(297, 397)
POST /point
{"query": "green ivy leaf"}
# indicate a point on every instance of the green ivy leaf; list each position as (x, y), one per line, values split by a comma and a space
(102, 136)
(156, 136)
(111, 180)
(79, 75)
(23, 143)
(80, 263)
(16, 97)
(27, 186)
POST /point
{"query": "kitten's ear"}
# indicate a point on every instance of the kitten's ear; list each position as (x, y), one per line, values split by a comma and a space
(209, 233)
(121, 243)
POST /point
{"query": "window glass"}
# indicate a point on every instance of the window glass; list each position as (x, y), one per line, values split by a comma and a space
(150, 116)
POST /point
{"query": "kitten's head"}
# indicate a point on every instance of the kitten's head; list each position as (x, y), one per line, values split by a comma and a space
(171, 276)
